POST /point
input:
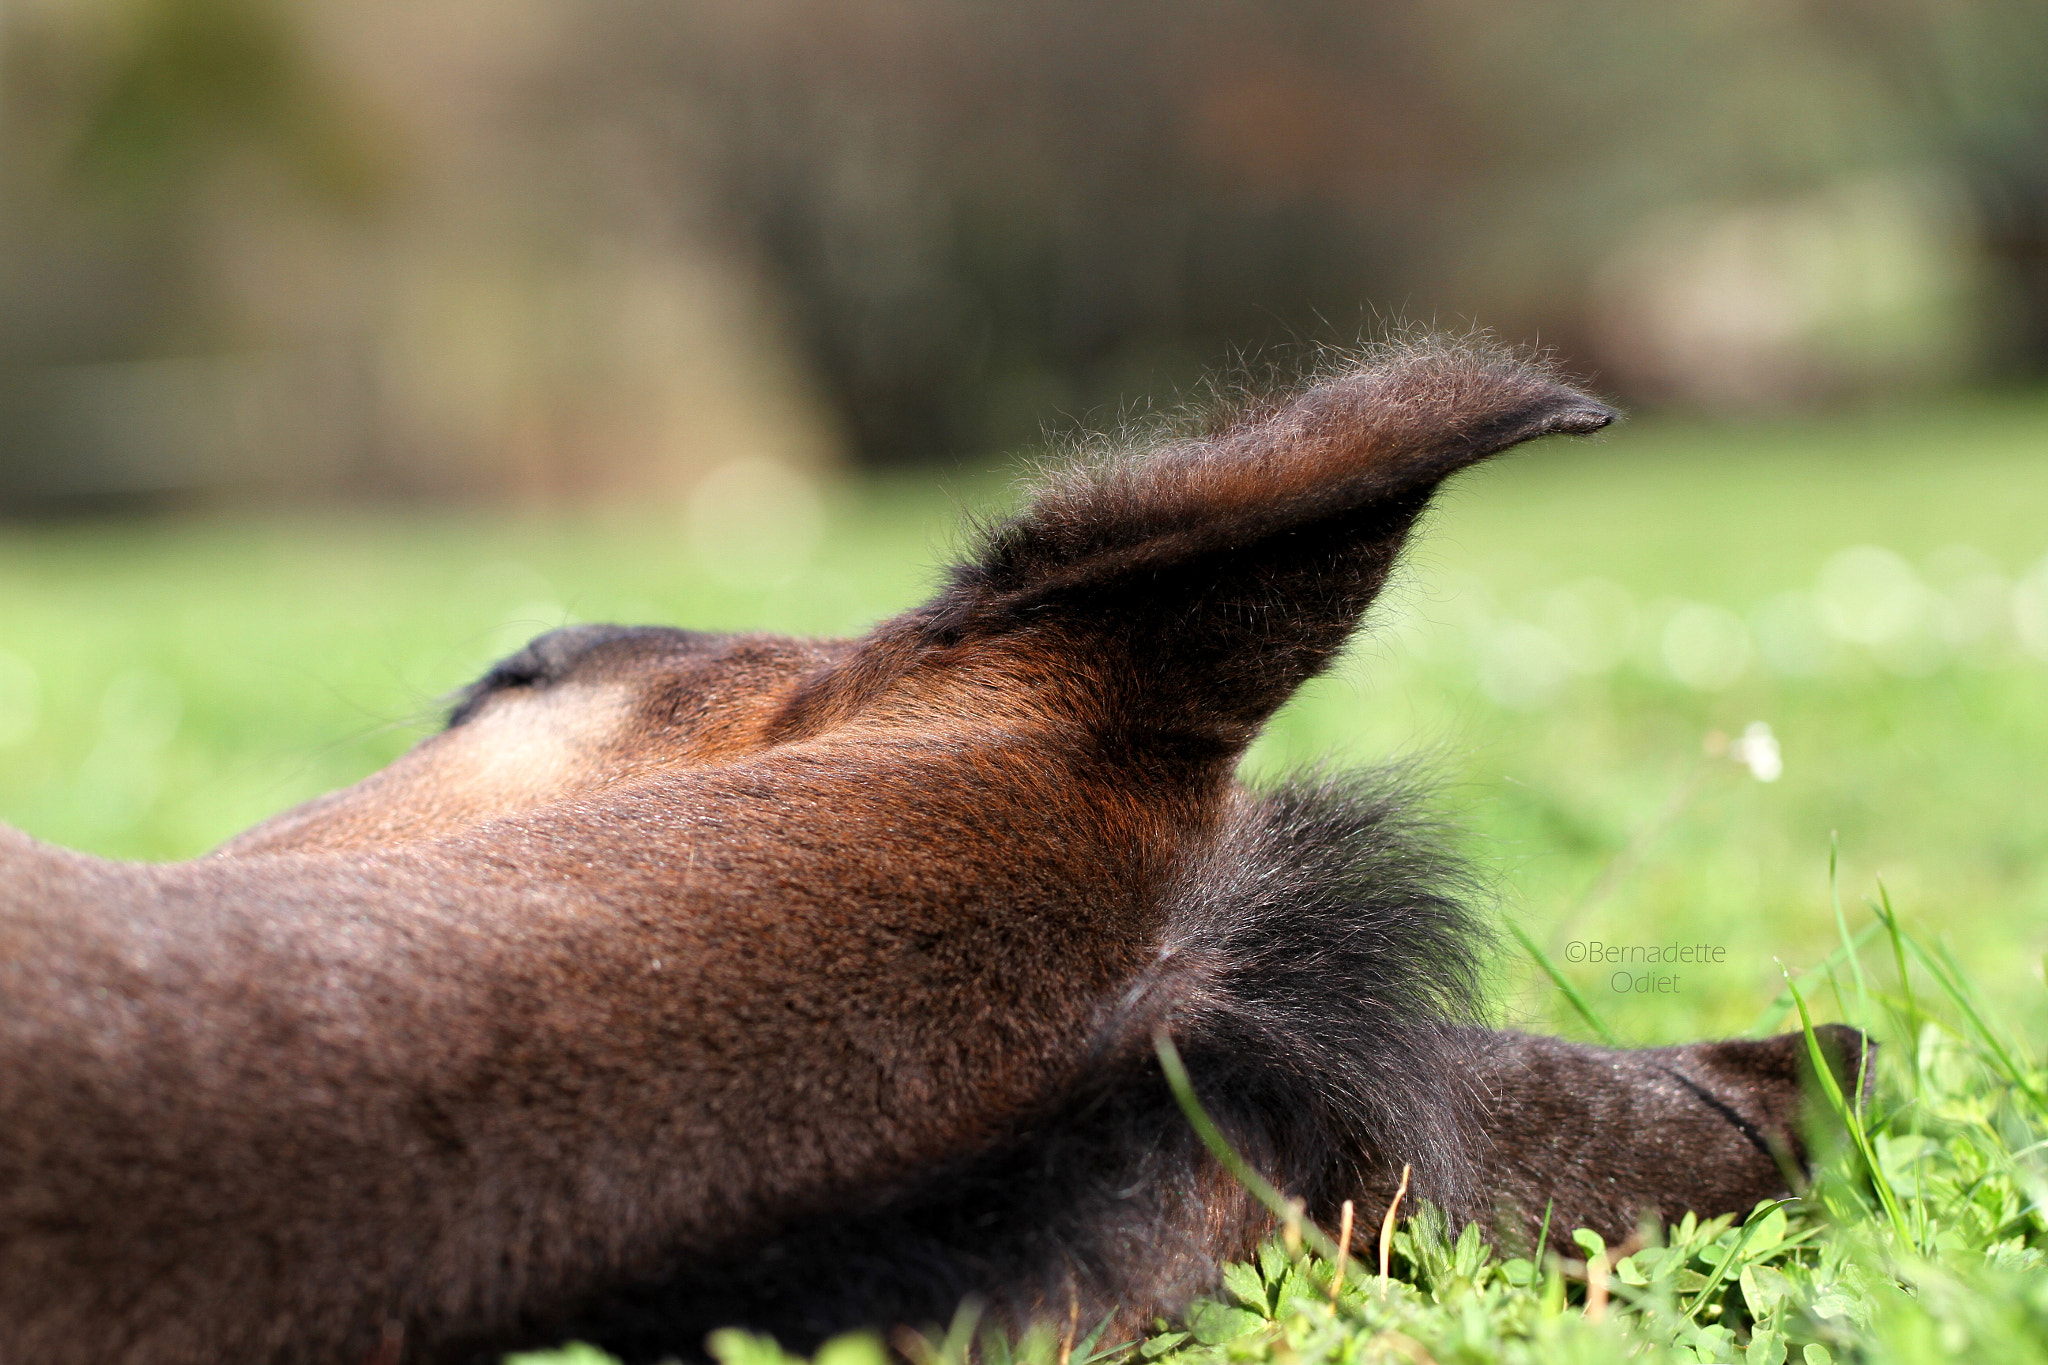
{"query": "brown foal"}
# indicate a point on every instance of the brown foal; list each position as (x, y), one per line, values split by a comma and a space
(689, 979)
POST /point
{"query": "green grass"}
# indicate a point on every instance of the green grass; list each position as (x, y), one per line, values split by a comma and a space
(1581, 635)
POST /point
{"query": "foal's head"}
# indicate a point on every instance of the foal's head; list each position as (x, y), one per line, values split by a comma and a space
(579, 710)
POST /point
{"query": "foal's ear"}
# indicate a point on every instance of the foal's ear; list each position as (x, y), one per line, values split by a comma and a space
(1192, 588)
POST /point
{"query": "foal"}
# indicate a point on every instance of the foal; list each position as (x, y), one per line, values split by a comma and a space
(689, 980)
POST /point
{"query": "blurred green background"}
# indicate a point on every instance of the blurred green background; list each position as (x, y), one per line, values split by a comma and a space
(344, 347)
(545, 251)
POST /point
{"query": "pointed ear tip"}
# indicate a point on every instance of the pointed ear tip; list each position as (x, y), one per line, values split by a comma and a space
(1581, 416)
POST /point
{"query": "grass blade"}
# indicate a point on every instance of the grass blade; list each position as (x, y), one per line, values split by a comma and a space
(1720, 1275)
(1261, 1189)
(1953, 988)
(1771, 1013)
(1571, 992)
(1890, 919)
(1842, 927)
(1850, 1118)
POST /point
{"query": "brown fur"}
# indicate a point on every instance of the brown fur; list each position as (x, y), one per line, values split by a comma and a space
(688, 979)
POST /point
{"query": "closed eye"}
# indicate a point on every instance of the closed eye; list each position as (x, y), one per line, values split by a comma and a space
(552, 657)
(547, 659)
(518, 671)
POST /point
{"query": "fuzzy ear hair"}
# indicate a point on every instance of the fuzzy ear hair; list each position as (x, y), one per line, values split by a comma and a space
(1198, 585)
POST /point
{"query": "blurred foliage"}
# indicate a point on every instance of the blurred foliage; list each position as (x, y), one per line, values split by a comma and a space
(543, 251)
(199, 79)
(980, 216)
